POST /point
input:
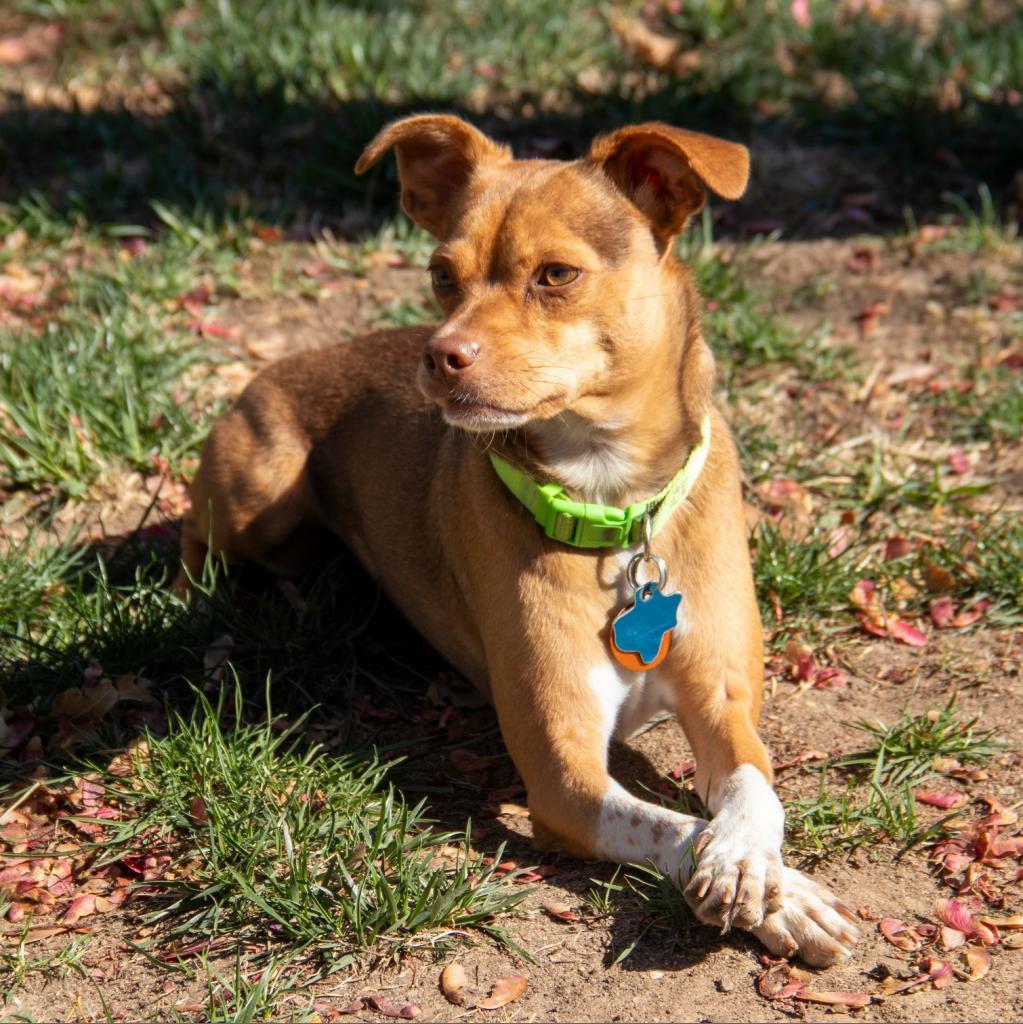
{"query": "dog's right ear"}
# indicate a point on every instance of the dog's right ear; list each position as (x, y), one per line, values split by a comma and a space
(437, 155)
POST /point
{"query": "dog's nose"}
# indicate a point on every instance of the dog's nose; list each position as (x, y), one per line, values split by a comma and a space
(450, 355)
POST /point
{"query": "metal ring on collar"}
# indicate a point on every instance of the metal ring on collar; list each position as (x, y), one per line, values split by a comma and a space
(634, 564)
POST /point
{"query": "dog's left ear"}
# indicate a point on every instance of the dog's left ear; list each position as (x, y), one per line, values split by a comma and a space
(662, 171)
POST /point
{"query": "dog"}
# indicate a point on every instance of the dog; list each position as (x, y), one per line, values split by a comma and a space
(544, 487)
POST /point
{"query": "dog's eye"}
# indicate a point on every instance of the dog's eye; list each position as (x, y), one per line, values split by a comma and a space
(555, 275)
(441, 277)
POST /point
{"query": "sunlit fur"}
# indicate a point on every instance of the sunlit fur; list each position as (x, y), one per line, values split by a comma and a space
(599, 384)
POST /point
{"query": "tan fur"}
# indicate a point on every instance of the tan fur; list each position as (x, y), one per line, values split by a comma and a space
(604, 380)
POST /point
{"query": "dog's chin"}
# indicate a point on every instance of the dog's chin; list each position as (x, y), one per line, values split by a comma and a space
(479, 418)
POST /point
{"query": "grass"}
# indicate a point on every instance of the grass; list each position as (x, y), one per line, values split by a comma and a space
(17, 963)
(874, 798)
(271, 839)
(802, 574)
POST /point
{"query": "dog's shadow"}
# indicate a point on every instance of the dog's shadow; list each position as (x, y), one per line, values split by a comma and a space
(344, 662)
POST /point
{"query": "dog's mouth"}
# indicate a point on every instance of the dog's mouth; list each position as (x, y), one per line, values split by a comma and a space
(477, 415)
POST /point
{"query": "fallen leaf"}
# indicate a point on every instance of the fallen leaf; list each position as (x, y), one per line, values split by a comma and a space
(938, 971)
(942, 612)
(786, 494)
(197, 811)
(453, 981)
(852, 999)
(899, 934)
(81, 906)
(1006, 923)
(951, 938)
(958, 463)
(777, 982)
(955, 915)
(936, 578)
(504, 991)
(388, 1009)
(86, 704)
(37, 43)
(561, 912)
(864, 595)
(897, 547)
(979, 963)
(972, 614)
(934, 798)
(905, 633)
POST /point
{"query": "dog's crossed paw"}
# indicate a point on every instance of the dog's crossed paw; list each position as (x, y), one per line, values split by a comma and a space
(737, 881)
(811, 923)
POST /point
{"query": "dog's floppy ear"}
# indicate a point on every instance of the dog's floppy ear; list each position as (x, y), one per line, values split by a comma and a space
(662, 171)
(436, 154)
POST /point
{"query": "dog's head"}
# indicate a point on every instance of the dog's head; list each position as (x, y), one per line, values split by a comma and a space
(551, 275)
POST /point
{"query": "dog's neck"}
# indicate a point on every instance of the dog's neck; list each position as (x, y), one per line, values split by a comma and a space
(633, 453)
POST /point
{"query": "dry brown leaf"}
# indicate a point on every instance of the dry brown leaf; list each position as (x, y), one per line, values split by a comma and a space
(453, 981)
(87, 704)
(81, 906)
(851, 999)
(561, 912)
(504, 991)
(979, 962)
(936, 578)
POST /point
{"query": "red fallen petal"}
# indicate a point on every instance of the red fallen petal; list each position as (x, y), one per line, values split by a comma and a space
(955, 915)
(937, 799)
(906, 633)
(958, 463)
(973, 614)
(835, 998)
(942, 612)
(899, 934)
(81, 906)
(956, 862)
(864, 595)
(872, 624)
(951, 938)
(1007, 847)
(560, 912)
(21, 873)
(939, 971)
(830, 679)
(897, 547)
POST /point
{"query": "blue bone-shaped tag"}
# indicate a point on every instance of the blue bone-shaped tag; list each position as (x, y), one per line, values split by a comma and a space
(641, 629)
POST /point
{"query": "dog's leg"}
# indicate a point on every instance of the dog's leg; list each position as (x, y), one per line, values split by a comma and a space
(739, 877)
(557, 728)
(250, 499)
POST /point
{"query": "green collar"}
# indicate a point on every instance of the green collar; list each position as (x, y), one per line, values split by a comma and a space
(602, 526)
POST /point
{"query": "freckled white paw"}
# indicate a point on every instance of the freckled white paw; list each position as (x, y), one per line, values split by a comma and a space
(811, 923)
(737, 879)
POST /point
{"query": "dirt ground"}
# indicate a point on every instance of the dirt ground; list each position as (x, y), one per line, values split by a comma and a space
(700, 975)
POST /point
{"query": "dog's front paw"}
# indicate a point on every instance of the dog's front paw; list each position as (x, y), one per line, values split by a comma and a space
(810, 924)
(736, 881)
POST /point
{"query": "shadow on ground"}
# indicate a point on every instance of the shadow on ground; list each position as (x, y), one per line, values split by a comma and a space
(256, 152)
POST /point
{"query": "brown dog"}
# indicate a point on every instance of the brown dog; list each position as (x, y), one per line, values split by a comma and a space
(571, 347)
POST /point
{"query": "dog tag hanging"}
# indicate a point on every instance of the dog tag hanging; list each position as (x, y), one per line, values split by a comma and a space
(641, 634)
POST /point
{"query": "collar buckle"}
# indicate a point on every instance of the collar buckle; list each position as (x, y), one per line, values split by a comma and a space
(582, 525)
